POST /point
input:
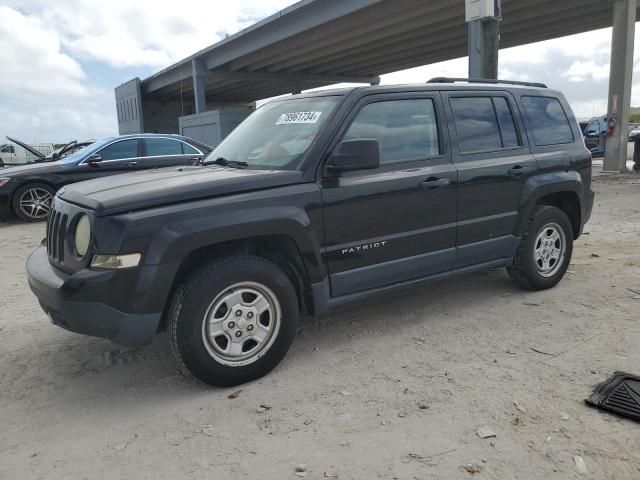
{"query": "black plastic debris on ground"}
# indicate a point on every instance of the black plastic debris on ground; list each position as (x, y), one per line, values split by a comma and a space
(620, 394)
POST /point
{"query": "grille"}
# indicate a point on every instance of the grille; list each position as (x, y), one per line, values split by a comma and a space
(56, 230)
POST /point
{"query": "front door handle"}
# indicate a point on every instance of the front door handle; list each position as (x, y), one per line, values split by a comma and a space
(432, 183)
(519, 170)
(132, 164)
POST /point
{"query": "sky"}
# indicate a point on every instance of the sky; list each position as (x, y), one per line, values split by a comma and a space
(61, 60)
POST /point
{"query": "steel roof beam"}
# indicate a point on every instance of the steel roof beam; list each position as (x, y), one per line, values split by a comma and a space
(460, 50)
(290, 77)
(298, 18)
(411, 31)
(343, 30)
(378, 55)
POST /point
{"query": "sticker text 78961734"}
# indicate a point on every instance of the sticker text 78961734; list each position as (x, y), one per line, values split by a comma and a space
(298, 117)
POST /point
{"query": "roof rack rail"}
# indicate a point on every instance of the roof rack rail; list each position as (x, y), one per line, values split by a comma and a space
(484, 80)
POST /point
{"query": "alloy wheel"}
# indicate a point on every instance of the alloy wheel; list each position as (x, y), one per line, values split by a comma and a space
(35, 203)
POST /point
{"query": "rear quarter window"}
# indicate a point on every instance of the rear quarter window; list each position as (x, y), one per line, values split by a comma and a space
(548, 120)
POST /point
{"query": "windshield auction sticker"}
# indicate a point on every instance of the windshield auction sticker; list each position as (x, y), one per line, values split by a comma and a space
(298, 117)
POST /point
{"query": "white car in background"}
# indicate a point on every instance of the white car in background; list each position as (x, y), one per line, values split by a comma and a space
(18, 154)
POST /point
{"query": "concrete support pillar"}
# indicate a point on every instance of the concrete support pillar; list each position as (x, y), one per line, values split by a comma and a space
(199, 75)
(483, 44)
(621, 72)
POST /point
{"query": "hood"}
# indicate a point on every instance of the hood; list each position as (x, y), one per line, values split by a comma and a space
(30, 168)
(153, 188)
(28, 148)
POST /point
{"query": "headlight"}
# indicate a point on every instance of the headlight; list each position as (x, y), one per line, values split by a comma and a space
(83, 235)
(127, 260)
(4, 181)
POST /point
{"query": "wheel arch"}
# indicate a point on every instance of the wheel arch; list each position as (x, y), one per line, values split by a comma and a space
(280, 249)
(561, 190)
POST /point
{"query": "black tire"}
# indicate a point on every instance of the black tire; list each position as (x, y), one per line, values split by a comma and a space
(524, 271)
(636, 167)
(24, 213)
(194, 299)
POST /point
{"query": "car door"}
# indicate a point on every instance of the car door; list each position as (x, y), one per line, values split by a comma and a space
(120, 156)
(165, 152)
(594, 136)
(397, 222)
(493, 161)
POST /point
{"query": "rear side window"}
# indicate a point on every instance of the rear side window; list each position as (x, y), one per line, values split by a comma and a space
(158, 147)
(484, 124)
(548, 120)
(405, 129)
(476, 124)
(120, 150)
(189, 150)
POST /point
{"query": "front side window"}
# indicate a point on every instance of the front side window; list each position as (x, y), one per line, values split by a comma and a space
(160, 147)
(405, 129)
(120, 150)
(278, 134)
(548, 120)
(593, 127)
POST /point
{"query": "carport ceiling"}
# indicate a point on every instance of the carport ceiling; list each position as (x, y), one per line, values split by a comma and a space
(322, 42)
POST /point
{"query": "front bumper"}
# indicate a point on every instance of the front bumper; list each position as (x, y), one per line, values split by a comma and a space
(73, 302)
(5, 205)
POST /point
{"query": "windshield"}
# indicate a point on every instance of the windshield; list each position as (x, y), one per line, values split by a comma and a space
(276, 135)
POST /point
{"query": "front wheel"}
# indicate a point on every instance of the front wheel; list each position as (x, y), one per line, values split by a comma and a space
(32, 202)
(545, 250)
(233, 321)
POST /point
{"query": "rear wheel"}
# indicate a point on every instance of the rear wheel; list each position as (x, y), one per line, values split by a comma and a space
(545, 250)
(32, 202)
(233, 321)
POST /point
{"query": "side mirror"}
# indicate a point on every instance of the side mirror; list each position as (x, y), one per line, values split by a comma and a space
(359, 154)
(94, 159)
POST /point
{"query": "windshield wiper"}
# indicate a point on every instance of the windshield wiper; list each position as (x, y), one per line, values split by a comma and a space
(228, 163)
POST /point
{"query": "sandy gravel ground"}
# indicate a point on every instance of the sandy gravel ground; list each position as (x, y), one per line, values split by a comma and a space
(394, 388)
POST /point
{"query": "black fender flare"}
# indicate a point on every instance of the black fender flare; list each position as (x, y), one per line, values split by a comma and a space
(183, 236)
(545, 184)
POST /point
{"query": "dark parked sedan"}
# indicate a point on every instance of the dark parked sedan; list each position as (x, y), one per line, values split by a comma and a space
(27, 190)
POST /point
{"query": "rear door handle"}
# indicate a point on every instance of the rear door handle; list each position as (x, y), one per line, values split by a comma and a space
(519, 170)
(432, 183)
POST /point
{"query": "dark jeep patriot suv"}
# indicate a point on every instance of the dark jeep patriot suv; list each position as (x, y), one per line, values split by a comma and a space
(314, 201)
